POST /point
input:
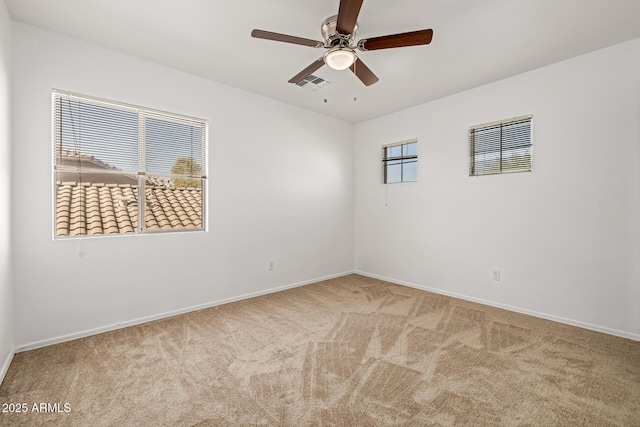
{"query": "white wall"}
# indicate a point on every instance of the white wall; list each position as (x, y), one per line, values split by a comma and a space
(565, 236)
(6, 282)
(281, 189)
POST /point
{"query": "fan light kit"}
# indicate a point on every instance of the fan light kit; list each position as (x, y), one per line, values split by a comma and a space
(340, 58)
(338, 33)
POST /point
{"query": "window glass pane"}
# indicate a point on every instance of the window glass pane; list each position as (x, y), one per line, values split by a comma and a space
(487, 140)
(91, 135)
(394, 151)
(173, 147)
(169, 207)
(515, 135)
(410, 171)
(394, 172)
(517, 159)
(487, 163)
(88, 209)
(410, 149)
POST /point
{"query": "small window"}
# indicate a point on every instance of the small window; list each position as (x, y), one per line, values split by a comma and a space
(121, 169)
(500, 147)
(400, 162)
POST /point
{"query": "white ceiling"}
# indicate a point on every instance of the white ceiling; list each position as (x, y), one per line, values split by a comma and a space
(475, 42)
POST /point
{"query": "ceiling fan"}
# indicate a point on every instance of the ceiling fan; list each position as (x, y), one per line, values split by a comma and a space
(339, 33)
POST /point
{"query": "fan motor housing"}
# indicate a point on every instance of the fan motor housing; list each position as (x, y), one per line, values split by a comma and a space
(333, 38)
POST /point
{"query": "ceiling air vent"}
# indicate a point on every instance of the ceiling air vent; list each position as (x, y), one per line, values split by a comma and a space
(313, 82)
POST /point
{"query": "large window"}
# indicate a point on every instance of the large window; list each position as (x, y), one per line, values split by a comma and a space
(123, 169)
(500, 147)
(400, 162)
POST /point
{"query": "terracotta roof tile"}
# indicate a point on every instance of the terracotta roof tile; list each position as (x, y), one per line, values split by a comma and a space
(96, 208)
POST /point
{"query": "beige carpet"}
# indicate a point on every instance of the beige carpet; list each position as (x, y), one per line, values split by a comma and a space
(344, 352)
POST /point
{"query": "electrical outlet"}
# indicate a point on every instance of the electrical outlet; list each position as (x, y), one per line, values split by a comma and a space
(495, 275)
(271, 266)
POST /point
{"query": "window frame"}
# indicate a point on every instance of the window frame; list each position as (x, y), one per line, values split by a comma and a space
(145, 179)
(501, 124)
(403, 159)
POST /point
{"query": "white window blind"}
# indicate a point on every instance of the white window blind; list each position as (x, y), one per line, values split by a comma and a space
(500, 147)
(400, 162)
(124, 169)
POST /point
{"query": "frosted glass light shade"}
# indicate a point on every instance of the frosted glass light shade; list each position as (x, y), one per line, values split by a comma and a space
(340, 58)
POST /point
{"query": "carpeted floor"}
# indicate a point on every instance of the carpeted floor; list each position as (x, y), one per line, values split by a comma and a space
(351, 351)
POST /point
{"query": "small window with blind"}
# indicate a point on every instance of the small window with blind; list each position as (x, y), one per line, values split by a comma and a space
(500, 147)
(122, 169)
(400, 162)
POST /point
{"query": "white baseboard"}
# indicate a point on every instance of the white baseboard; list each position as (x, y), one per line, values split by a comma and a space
(5, 365)
(133, 322)
(572, 322)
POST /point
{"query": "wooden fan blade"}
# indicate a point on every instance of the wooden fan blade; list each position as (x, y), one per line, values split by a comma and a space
(363, 72)
(412, 38)
(307, 71)
(348, 16)
(268, 35)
